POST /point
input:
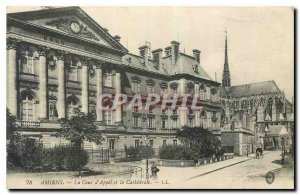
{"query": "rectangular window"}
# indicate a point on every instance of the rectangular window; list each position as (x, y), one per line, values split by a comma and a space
(136, 143)
(108, 80)
(28, 65)
(150, 89)
(151, 109)
(163, 124)
(27, 110)
(174, 112)
(151, 122)
(112, 143)
(108, 117)
(202, 95)
(174, 91)
(73, 75)
(191, 123)
(151, 142)
(174, 123)
(164, 91)
(135, 87)
(164, 142)
(136, 121)
(174, 142)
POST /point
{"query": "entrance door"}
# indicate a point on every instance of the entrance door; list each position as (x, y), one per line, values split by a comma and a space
(112, 147)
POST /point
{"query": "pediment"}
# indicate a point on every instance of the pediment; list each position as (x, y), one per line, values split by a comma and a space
(71, 21)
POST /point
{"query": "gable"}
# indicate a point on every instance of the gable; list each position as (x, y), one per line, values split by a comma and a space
(65, 24)
(71, 21)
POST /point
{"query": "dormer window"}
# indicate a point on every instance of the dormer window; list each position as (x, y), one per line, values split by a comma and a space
(195, 68)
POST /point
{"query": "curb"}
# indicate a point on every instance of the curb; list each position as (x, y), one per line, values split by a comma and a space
(249, 158)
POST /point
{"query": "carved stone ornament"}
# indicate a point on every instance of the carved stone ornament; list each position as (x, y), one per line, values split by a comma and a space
(12, 43)
(73, 26)
(42, 51)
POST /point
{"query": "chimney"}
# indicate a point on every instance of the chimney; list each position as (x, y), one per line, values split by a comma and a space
(144, 53)
(157, 57)
(168, 51)
(117, 38)
(174, 51)
(196, 54)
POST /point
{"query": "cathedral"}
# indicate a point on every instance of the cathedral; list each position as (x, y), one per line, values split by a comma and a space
(254, 115)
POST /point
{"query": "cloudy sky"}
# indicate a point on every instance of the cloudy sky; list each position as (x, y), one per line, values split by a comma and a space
(260, 40)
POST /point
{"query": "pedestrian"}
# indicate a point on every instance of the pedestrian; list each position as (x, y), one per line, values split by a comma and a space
(247, 150)
(154, 170)
(196, 162)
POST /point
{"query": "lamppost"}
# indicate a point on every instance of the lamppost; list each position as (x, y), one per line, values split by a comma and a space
(265, 138)
(147, 160)
(282, 146)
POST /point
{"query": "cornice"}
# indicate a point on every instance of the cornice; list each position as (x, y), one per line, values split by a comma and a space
(61, 33)
(63, 48)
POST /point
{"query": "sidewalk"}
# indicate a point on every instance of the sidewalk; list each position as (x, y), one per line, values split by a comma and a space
(178, 174)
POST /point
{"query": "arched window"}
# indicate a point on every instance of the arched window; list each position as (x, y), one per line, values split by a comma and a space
(27, 106)
(52, 109)
(202, 92)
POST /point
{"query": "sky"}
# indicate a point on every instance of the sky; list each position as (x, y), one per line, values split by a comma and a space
(260, 40)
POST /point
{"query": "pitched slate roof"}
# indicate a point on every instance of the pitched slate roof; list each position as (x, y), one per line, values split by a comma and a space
(184, 65)
(136, 61)
(250, 89)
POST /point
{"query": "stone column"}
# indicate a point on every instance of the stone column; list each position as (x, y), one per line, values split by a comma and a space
(61, 94)
(85, 88)
(99, 92)
(43, 104)
(182, 116)
(197, 118)
(12, 93)
(181, 87)
(118, 91)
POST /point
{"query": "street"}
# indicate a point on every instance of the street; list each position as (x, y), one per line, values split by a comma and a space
(240, 172)
(237, 173)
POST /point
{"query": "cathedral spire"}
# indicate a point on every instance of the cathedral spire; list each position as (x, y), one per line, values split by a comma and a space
(226, 82)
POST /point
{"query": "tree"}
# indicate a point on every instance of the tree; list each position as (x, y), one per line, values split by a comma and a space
(11, 127)
(201, 142)
(79, 128)
(146, 151)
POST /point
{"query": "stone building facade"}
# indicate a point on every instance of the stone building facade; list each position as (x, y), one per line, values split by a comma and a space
(61, 59)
